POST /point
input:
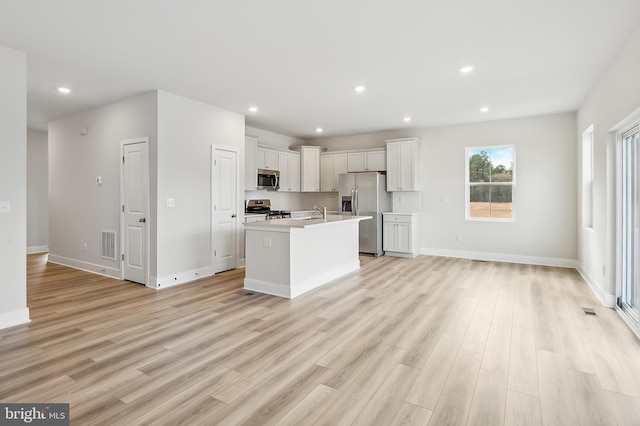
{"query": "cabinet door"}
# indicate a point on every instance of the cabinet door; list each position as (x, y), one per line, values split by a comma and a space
(284, 172)
(326, 173)
(406, 164)
(357, 162)
(271, 159)
(260, 158)
(310, 165)
(393, 166)
(403, 237)
(388, 236)
(339, 166)
(250, 175)
(294, 172)
(376, 161)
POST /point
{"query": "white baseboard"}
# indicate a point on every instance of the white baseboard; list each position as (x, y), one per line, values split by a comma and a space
(85, 266)
(607, 300)
(13, 318)
(180, 278)
(37, 249)
(501, 257)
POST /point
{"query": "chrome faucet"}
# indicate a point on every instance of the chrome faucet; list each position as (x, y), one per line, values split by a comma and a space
(323, 211)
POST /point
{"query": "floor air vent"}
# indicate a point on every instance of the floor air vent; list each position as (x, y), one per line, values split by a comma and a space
(109, 245)
(589, 311)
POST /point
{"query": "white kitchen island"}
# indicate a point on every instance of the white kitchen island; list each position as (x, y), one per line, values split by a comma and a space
(288, 257)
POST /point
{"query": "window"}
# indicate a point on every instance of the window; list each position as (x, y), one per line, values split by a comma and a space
(490, 183)
(587, 178)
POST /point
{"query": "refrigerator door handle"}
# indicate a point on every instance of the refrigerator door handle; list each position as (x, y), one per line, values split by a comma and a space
(357, 209)
(353, 201)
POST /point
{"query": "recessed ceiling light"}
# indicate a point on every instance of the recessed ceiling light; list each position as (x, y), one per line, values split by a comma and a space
(406, 119)
(484, 109)
(360, 89)
(318, 129)
(466, 69)
(64, 90)
(253, 108)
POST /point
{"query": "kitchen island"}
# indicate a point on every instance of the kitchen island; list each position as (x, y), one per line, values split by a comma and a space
(289, 257)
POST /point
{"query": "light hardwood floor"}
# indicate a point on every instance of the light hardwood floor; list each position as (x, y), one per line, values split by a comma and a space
(404, 341)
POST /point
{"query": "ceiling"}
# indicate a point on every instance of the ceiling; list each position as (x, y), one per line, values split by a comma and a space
(299, 61)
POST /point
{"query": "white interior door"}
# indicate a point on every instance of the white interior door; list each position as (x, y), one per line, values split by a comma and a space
(135, 205)
(224, 209)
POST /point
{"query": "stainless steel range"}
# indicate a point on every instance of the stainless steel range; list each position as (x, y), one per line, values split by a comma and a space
(263, 206)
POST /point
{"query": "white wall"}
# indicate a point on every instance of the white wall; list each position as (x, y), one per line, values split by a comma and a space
(37, 192)
(186, 131)
(544, 231)
(266, 137)
(13, 187)
(615, 96)
(79, 209)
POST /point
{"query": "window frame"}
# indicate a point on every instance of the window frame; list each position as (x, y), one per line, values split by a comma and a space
(468, 184)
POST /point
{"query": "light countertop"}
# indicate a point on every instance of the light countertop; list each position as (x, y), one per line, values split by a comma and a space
(304, 222)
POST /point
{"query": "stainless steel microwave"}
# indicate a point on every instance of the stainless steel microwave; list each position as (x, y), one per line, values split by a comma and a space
(268, 179)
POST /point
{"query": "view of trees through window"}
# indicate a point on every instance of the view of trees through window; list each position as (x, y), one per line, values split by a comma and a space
(490, 182)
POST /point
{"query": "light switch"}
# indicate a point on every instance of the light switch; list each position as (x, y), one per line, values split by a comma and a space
(171, 203)
(5, 206)
(99, 180)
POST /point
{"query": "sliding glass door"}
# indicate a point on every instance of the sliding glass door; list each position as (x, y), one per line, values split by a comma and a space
(628, 223)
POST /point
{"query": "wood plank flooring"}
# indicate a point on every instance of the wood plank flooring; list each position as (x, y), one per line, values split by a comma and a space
(429, 340)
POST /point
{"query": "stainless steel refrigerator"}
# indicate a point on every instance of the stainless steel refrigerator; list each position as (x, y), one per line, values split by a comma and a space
(365, 194)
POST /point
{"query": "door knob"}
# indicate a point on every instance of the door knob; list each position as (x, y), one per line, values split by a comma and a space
(143, 220)
(234, 215)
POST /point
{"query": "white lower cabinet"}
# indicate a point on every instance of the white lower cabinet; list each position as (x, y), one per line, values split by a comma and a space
(400, 234)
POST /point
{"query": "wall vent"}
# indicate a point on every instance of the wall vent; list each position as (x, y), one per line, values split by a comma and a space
(109, 245)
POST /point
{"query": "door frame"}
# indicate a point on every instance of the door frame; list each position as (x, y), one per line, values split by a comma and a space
(239, 207)
(147, 183)
(617, 132)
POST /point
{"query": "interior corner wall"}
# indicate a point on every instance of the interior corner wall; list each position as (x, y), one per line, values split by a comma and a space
(79, 208)
(545, 198)
(613, 98)
(37, 192)
(186, 131)
(13, 187)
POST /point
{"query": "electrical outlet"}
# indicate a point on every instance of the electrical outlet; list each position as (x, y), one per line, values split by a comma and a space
(84, 247)
(171, 203)
(459, 238)
(266, 242)
(5, 206)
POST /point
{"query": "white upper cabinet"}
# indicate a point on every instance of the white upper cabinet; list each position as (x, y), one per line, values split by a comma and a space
(310, 168)
(331, 165)
(289, 163)
(402, 164)
(367, 161)
(250, 173)
(266, 158)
